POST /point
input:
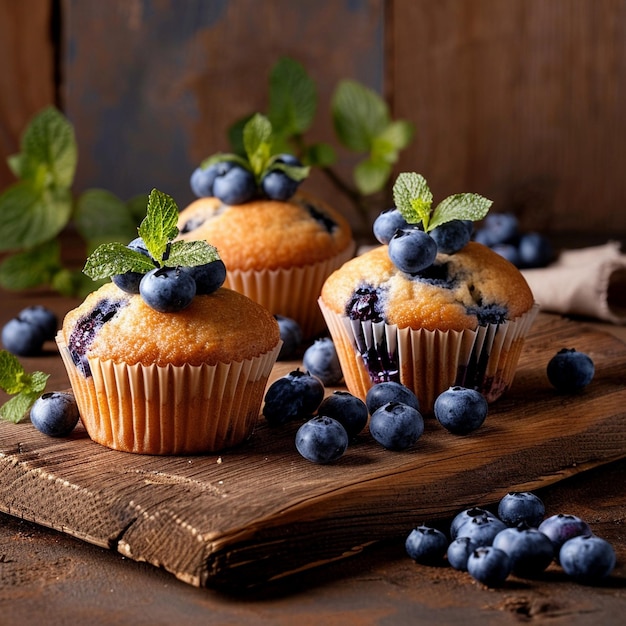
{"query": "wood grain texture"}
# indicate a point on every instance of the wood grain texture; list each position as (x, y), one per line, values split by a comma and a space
(260, 511)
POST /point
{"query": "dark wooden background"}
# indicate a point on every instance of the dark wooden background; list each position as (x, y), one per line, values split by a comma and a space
(523, 101)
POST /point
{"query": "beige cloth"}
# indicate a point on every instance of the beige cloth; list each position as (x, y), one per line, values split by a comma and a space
(590, 282)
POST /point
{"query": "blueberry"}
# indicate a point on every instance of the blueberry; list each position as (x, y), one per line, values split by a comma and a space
(426, 545)
(501, 228)
(509, 252)
(535, 250)
(396, 426)
(298, 394)
(55, 414)
(321, 440)
(321, 360)
(521, 506)
(460, 410)
(202, 179)
(451, 236)
(347, 409)
(167, 289)
(389, 391)
(465, 516)
(129, 281)
(277, 185)
(561, 527)
(481, 529)
(291, 336)
(23, 338)
(412, 250)
(42, 317)
(387, 223)
(365, 304)
(209, 277)
(570, 371)
(458, 552)
(529, 549)
(234, 186)
(587, 558)
(489, 566)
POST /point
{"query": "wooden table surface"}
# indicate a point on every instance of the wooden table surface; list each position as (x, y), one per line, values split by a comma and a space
(48, 574)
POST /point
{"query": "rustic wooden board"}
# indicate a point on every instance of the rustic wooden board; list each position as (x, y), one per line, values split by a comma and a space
(260, 512)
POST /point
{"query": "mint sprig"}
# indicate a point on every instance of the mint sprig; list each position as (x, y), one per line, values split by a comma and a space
(158, 230)
(25, 388)
(414, 200)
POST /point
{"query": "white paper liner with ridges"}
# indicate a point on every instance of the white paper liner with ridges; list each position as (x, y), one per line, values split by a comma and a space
(168, 409)
(430, 362)
(291, 292)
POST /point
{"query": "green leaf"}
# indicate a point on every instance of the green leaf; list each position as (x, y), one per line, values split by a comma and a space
(159, 227)
(462, 206)
(292, 98)
(293, 171)
(114, 258)
(191, 253)
(25, 388)
(38, 382)
(29, 216)
(32, 267)
(235, 135)
(257, 140)
(14, 161)
(101, 216)
(320, 155)
(413, 198)
(49, 142)
(359, 115)
(370, 176)
(225, 156)
(73, 283)
(15, 409)
(398, 134)
(12, 373)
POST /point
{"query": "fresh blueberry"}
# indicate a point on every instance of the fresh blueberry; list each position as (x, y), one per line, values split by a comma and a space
(23, 338)
(465, 516)
(291, 336)
(209, 277)
(481, 529)
(167, 289)
(234, 186)
(396, 426)
(321, 360)
(489, 566)
(459, 551)
(321, 440)
(277, 185)
(42, 317)
(129, 281)
(587, 559)
(412, 250)
(389, 391)
(509, 252)
(501, 228)
(426, 545)
(529, 549)
(561, 527)
(298, 394)
(55, 414)
(460, 410)
(202, 179)
(535, 250)
(451, 236)
(387, 223)
(521, 506)
(347, 409)
(570, 371)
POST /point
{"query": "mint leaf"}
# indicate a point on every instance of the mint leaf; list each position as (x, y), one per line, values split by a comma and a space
(32, 267)
(397, 134)
(191, 253)
(15, 409)
(413, 198)
(101, 217)
(37, 382)
(114, 258)
(25, 388)
(11, 373)
(293, 171)
(160, 225)
(371, 175)
(14, 162)
(225, 156)
(462, 206)
(319, 154)
(257, 141)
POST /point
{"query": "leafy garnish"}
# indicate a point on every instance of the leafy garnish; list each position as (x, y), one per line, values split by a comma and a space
(414, 200)
(25, 388)
(158, 231)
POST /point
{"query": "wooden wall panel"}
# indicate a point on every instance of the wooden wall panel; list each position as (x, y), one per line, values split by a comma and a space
(26, 74)
(523, 101)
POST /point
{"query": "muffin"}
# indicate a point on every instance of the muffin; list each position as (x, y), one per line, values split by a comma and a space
(276, 252)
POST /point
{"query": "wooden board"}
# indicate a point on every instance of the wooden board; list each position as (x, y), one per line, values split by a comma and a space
(261, 511)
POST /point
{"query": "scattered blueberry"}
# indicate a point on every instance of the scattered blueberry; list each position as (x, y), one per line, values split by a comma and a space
(412, 250)
(389, 391)
(481, 529)
(521, 506)
(561, 527)
(451, 236)
(509, 252)
(167, 289)
(234, 184)
(534, 250)
(298, 394)
(500, 228)
(489, 566)
(587, 558)
(23, 338)
(291, 336)
(209, 277)
(202, 179)
(321, 440)
(350, 411)
(387, 223)
(570, 371)
(55, 414)
(459, 551)
(129, 281)
(396, 426)
(321, 360)
(465, 516)
(43, 317)
(460, 410)
(426, 545)
(529, 549)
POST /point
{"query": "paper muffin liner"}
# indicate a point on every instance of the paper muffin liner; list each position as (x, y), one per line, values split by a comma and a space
(291, 292)
(428, 362)
(151, 409)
